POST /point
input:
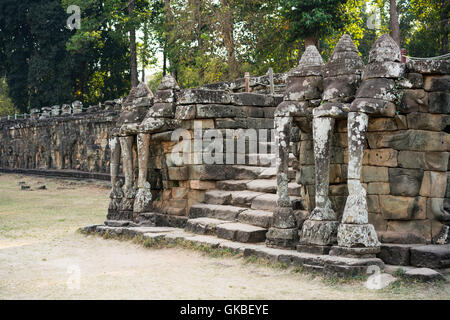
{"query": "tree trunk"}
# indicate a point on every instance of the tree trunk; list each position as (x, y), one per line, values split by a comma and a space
(395, 27)
(311, 41)
(133, 54)
(226, 24)
(444, 27)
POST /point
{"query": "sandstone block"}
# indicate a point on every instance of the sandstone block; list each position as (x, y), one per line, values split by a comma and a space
(413, 140)
(382, 157)
(437, 83)
(382, 124)
(439, 102)
(436, 161)
(405, 182)
(426, 121)
(420, 228)
(378, 188)
(434, 184)
(414, 101)
(416, 79)
(374, 174)
(403, 208)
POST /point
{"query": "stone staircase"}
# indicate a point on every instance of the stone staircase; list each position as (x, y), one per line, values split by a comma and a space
(241, 209)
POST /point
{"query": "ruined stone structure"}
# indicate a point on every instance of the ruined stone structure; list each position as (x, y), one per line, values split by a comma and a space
(343, 161)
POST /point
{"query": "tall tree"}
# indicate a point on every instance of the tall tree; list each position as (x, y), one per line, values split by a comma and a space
(393, 18)
(312, 19)
(133, 52)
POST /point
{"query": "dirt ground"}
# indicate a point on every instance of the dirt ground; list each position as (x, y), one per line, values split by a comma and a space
(43, 257)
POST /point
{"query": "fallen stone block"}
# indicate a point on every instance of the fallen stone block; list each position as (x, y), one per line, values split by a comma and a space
(424, 274)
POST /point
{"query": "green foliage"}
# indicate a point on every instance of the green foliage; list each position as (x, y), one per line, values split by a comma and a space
(6, 105)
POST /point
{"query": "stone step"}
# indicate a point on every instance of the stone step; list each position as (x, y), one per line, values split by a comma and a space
(203, 225)
(271, 172)
(258, 218)
(268, 201)
(237, 198)
(232, 185)
(241, 232)
(223, 212)
(270, 186)
(265, 159)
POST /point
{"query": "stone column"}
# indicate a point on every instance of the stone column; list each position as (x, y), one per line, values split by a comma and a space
(283, 232)
(341, 75)
(116, 194)
(356, 237)
(143, 201)
(319, 231)
(126, 206)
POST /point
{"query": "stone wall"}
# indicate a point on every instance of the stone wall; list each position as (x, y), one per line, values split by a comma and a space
(406, 166)
(70, 142)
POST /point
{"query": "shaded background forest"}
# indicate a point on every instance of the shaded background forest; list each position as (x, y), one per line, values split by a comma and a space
(43, 63)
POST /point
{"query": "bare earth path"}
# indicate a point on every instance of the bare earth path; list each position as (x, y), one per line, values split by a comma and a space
(43, 257)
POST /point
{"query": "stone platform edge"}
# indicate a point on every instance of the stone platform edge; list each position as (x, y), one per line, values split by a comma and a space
(328, 265)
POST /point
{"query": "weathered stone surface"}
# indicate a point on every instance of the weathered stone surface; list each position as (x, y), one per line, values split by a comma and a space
(375, 174)
(413, 140)
(425, 275)
(382, 124)
(437, 83)
(254, 99)
(293, 109)
(223, 212)
(438, 209)
(384, 49)
(405, 182)
(331, 110)
(365, 252)
(402, 208)
(341, 87)
(426, 121)
(185, 112)
(168, 82)
(283, 217)
(382, 157)
(378, 188)
(219, 111)
(414, 101)
(395, 254)
(429, 66)
(421, 228)
(310, 64)
(416, 80)
(199, 96)
(439, 102)
(357, 235)
(386, 69)
(281, 238)
(392, 237)
(303, 88)
(431, 256)
(378, 88)
(373, 106)
(322, 233)
(344, 60)
(203, 225)
(257, 218)
(434, 184)
(436, 161)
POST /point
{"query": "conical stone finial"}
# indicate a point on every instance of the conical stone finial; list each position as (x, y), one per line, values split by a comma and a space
(345, 59)
(385, 49)
(168, 82)
(310, 64)
(311, 57)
